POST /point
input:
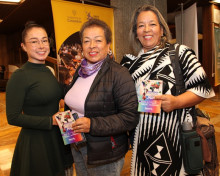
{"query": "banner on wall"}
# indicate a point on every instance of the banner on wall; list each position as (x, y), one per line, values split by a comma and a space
(68, 18)
(217, 55)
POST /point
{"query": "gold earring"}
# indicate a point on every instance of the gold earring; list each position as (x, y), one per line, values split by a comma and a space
(110, 52)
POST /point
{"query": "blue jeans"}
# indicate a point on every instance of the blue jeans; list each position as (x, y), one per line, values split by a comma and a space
(83, 169)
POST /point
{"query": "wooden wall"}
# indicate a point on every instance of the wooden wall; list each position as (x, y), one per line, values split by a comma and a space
(208, 61)
(3, 50)
(10, 50)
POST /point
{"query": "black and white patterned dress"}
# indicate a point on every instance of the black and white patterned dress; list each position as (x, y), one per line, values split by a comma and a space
(156, 149)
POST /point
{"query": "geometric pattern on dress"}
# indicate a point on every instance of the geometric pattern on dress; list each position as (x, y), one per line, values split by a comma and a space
(158, 156)
(195, 81)
(166, 76)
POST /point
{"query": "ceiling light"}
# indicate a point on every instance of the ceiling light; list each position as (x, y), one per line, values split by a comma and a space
(215, 1)
(1, 20)
(11, 1)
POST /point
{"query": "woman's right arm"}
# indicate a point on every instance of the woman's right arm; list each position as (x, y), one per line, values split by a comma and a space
(16, 90)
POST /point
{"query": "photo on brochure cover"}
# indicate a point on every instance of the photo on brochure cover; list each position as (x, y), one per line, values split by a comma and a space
(148, 90)
(65, 120)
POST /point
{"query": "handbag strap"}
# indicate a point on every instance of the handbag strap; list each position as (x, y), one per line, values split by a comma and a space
(180, 85)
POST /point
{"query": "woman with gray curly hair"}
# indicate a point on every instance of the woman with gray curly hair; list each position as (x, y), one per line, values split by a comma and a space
(134, 40)
(156, 143)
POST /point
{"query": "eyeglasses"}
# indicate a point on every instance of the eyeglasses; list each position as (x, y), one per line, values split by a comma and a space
(35, 42)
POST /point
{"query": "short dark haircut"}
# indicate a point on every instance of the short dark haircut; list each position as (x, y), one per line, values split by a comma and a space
(28, 26)
(99, 23)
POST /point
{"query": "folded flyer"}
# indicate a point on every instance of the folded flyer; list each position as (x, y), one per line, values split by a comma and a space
(148, 90)
(65, 120)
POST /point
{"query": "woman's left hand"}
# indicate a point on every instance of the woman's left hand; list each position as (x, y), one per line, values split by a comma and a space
(81, 125)
(168, 103)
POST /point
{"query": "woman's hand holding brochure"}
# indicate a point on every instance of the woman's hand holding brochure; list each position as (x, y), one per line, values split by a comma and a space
(81, 125)
(65, 121)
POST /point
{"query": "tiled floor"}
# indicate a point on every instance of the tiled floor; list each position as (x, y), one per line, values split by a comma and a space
(9, 134)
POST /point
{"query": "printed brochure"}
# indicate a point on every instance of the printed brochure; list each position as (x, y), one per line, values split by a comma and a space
(65, 120)
(148, 90)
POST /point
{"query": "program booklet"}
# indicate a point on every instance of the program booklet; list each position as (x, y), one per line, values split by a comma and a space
(65, 120)
(148, 90)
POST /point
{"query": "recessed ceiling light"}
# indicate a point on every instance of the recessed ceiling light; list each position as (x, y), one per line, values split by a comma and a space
(11, 1)
(215, 1)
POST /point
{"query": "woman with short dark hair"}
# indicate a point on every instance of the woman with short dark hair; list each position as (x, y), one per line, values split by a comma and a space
(103, 95)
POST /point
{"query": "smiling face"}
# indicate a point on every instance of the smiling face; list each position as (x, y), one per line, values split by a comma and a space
(36, 45)
(149, 31)
(95, 47)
